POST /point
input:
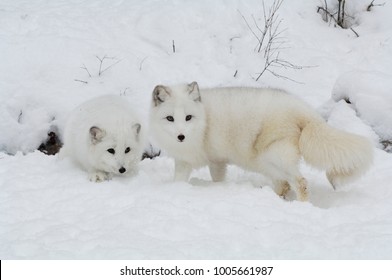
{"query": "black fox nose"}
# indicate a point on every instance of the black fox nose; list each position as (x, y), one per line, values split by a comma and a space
(122, 170)
(181, 137)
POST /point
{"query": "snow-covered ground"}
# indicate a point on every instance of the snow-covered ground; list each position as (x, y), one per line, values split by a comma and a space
(49, 209)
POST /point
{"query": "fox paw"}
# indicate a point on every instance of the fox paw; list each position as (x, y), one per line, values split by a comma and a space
(99, 177)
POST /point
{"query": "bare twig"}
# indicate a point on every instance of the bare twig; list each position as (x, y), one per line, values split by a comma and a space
(235, 74)
(100, 64)
(341, 13)
(332, 17)
(270, 40)
(339, 20)
(231, 42)
(371, 5)
(262, 32)
(85, 68)
(20, 116)
(326, 9)
(141, 63)
(270, 20)
(274, 61)
(251, 29)
(100, 71)
(355, 32)
(123, 93)
(84, 82)
(174, 46)
(327, 14)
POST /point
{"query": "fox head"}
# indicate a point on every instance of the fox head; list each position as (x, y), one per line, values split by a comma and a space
(177, 116)
(115, 151)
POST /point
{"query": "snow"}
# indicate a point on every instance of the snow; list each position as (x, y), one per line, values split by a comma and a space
(372, 101)
(49, 209)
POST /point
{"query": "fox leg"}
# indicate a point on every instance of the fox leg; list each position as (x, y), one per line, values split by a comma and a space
(98, 176)
(182, 171)
(217, 171)
(280, 162)
(282, 188)
(301, 188)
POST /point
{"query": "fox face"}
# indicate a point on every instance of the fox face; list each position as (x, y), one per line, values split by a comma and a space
(178, 117)
(116, 153)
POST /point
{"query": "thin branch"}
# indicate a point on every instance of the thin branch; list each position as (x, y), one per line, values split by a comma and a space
(343, 11)
(84, 82)
(110, 66)
(284, 77)
(355, 32)
(174, 47)
(371, 5)
(85, 68)
(100, 71)
(141, 63)
(231, 42)
(123, 93)
(20, 116)
(250, 28)
(270, 40)
(332, 16)
(326, 8)
(263, 32)
(100, 64)
(262, 72)
(339, 14)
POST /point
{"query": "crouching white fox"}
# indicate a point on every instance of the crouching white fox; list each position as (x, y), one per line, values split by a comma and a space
(262, 130)
(104, 137)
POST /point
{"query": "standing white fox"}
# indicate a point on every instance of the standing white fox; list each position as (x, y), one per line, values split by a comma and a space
(104, 137)
(262, 130)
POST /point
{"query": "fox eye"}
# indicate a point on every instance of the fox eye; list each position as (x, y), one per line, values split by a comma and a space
(112, 151)
(127, 150)
(170, 118)
(188, 117)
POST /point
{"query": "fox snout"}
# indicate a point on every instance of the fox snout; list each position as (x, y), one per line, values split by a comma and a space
(122, 170)
(181, 137)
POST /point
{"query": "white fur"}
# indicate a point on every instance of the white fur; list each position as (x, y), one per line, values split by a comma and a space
(262, 130)
(98, 125)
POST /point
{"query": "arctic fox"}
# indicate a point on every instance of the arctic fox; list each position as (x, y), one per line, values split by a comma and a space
(104, 137)
(262, 130)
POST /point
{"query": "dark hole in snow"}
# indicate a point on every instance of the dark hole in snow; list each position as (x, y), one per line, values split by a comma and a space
(150, 153)
(387, 145)
(52, 144)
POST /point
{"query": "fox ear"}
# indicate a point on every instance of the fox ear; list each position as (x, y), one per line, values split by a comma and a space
(96, 134)
(137, 127)
(194, 93)
(160, 94)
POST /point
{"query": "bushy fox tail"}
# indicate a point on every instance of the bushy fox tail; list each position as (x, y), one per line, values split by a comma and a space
(344, 156)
